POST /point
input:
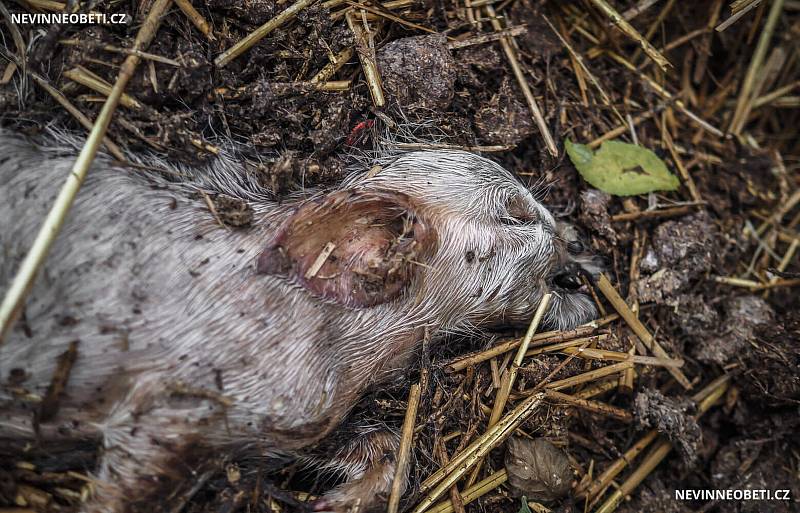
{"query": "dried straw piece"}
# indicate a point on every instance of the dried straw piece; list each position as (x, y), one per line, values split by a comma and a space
(330, 69)
(544, 130)
(85, 77)
(488, 37)
(404, 449)
(631, 32)
(507, 381)
(736, 14)
(744, 104)
(541, 338)
(617, 356)
(776, 94)
(385, 13)
(754, 285)
(638, 328)
(687, 178)
(597, 487)
(196, 18)
(15, 296)
(563, 346)
(638, 9)
(628, 377)
(786, 260)
(621, 129)
(366, 55)
(260, 33)
(117, 49)
(592, 406)
(320, 260)
(598, 388)
(505, 388)
(11, 68)
(589, 376)
(476, 491)
(641, 215)
(445, 146)
(463, 461)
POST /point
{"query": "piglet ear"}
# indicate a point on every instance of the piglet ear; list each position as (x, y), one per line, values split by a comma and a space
(358, 248)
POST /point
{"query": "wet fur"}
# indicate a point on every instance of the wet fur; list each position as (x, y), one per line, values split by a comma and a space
(184, 348)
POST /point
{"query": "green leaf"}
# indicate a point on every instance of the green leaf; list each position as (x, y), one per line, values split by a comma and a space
(621, 168)
(524, 508)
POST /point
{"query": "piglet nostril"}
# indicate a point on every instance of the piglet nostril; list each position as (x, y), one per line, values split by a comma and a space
(568, 281)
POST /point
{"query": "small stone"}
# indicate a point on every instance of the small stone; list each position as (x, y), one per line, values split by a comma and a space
(504, 119)
(649, 263)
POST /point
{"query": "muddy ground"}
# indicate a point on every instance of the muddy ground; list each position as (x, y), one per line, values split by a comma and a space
(448, 80)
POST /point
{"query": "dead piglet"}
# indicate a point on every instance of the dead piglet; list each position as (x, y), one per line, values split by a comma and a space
(199, 340)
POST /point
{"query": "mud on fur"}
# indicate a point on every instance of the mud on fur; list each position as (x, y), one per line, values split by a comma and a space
(190, 338)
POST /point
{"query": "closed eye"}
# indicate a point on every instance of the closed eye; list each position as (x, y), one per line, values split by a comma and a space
(519, 212)
(512, 221)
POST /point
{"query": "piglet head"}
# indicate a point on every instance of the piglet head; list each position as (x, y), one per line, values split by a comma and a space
(444, 233)
(499, 249)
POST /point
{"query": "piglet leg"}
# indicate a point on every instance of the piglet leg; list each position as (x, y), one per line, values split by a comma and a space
(368, 463)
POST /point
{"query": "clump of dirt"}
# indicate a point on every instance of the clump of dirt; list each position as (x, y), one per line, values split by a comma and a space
(233, 211)
(418, 72)
(593, 213)
(744, 317)
(698, 318)
(473, 62)
(680, 251)
(671, 417)
(504, 119)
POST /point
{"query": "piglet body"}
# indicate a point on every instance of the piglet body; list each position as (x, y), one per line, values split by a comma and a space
(189, 337)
